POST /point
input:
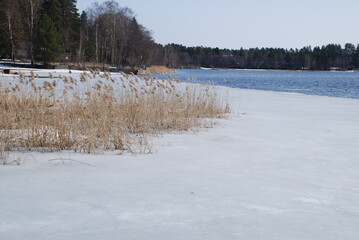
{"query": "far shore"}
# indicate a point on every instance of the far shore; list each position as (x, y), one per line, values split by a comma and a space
(6, 67)
(281, 70)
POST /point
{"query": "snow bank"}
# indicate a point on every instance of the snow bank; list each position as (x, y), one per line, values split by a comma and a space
(285, 167)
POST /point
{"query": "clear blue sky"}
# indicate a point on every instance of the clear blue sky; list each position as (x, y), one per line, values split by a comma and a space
(244, 23)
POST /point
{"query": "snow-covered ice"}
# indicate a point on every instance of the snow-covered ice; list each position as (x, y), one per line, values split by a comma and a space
(285, 167)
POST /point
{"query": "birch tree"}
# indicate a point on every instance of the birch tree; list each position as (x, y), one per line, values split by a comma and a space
(32, 13)
(10, 9)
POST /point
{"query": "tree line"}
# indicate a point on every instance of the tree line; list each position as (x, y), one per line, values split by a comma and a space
(329, 57)
(49, 31)
(54, 31)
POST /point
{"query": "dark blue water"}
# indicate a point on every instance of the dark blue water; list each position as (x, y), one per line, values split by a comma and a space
(334, 84)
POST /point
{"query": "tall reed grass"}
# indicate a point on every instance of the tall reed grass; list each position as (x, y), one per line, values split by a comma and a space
(94, 112)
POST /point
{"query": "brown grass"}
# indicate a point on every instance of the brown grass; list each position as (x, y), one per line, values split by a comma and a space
(96, 111)
(156, 69)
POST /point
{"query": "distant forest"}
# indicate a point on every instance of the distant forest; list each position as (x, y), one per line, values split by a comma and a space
(53, 31)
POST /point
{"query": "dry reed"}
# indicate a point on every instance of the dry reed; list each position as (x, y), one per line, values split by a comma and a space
(96, 111)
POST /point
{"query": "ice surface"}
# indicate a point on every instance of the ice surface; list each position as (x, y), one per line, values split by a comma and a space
(283, 167)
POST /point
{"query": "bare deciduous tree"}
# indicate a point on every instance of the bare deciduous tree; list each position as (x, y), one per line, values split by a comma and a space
(11, 11)
(31, 16)
(118, 38)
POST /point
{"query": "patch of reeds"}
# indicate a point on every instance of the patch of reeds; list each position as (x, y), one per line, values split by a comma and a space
(94, 112)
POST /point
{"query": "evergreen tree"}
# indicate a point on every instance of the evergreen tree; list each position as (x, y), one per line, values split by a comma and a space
(67, 21)
(48, 45)
(70, 29)
(5, 48)
(52, 8)
(356, 58)
(90, 51)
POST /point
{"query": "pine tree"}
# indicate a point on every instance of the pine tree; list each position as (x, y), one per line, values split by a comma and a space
(70, 29)
(48, 45)
(67, 21)
(5, 47)
(52, 8)
(90, 51)
(134, 43)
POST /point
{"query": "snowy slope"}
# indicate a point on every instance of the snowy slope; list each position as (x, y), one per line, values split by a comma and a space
(285, 167)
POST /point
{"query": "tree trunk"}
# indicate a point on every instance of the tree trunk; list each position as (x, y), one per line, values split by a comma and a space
(31, 30)
(80, 47)
(96, 33)
(113, 41)
(11, 34)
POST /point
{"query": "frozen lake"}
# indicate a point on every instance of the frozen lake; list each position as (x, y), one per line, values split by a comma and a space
(284, 166)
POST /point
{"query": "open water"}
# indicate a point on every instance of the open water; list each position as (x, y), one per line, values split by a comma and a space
(333, 84)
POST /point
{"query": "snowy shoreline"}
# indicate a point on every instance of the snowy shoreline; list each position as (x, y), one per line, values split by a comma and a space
(284, 167)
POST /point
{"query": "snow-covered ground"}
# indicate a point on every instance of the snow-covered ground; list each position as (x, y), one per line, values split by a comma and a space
(286, 167)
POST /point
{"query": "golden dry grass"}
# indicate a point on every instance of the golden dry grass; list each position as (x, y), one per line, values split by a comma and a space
(155, 69)
(97, 111)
